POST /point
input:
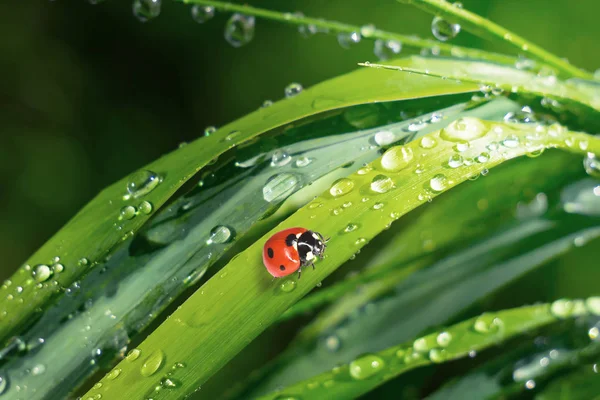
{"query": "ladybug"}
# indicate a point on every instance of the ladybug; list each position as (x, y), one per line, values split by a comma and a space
(289, 250)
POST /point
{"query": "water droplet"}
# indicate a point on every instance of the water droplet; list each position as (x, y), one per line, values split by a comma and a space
(41, 273)
(114, 374)
(378, 206)
(438, 355)
(366, 366)
(280, 186)
(133, 355)
(280, 158)
(152, 363)
(38, 369)
(209, 130)
(220, 234)
(384, 138)
(332, 343)
(239, 30)
(201, 14)
(593, 305)
(562, 308)
(530, 384)
(364, 170)
(145, 207)
(83, 262)
(382, 184)
(438, 183)
(3, 383)
(487, 323)
(145, 10)
(341, 187)
(464, 130)
(396, 158)
(292, 90)
(444, 339)
(455, 161)
(360, 241)
(444, 30)
(128, 212)
(592, 165)
(593, 333)
(350, 228)
(386, 49)
(428, 142)
(347, 39)
(169, 383)
(511, 141)
(288, 285)
(303, 162)
(141, 183)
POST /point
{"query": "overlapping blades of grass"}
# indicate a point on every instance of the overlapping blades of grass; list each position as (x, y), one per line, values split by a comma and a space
(379, 194)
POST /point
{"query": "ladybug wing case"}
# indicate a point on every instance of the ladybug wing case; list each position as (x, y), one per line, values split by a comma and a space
(280, 254)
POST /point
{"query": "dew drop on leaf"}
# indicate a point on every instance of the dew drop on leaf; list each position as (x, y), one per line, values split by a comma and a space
(3, 383)
(145, 10)
(593, 305)
(444, 30)
(592, 165)
(438, 355)
(464, 130)
(366, 366)
(428, 142)
(383, 138)
(280, 158)
(302, 162)
(396, 158)
(239, 30)
(201, 14)
(145, 207)
(220, 234)
(341, 187)
(455, 161)
(444, 339)
(114, 374)
(280, 186)
(209, 130)
(382, 184)
(438, 183)
(288, 285)
(133, 355)
(128, 212)
(152, 363)
(141, 183)
(41, 273)
(511, 141)
(293, 89)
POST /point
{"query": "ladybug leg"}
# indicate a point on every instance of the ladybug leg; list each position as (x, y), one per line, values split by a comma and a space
(313, 265)
(299, 273)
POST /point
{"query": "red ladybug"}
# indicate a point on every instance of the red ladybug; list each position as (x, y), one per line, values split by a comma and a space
(289, 250)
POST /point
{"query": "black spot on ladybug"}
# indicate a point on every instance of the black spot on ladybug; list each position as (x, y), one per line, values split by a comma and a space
(282, 267)
(290, 239)
(270, 252)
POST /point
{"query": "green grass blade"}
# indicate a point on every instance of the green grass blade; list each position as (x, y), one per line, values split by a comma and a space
(338, 27)
(487, 29)
(476, 334)
(507, 79)
(213, 335)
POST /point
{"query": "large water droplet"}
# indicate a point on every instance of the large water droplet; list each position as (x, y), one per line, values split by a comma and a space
(396, 158)
(152, 363)
(347, 39)
(141, 183)
(444, 30)
(145, 10)
(341, 187)
(592, 165)
(382, 184)
(438, 183)
(280, 186)
(3, 383)
(128, 212)
(220, 234)
(239, 29)
(41, 273)
(366, 366)
(455, 161)
(464, 130)
(145, 207)
(383, 138)
(293, 89)
(201, 14)
(280, 158)
(386, 49)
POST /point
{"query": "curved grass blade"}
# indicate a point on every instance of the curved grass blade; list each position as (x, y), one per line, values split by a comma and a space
(502, 78)
(378, 194)
(188, 236)
(321, 25)
(476, 334)
(96, 230)
(487, 29)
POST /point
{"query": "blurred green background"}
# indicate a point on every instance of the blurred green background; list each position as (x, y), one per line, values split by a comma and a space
(90, 94)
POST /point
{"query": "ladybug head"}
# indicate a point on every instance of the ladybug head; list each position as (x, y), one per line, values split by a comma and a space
(311, 245)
